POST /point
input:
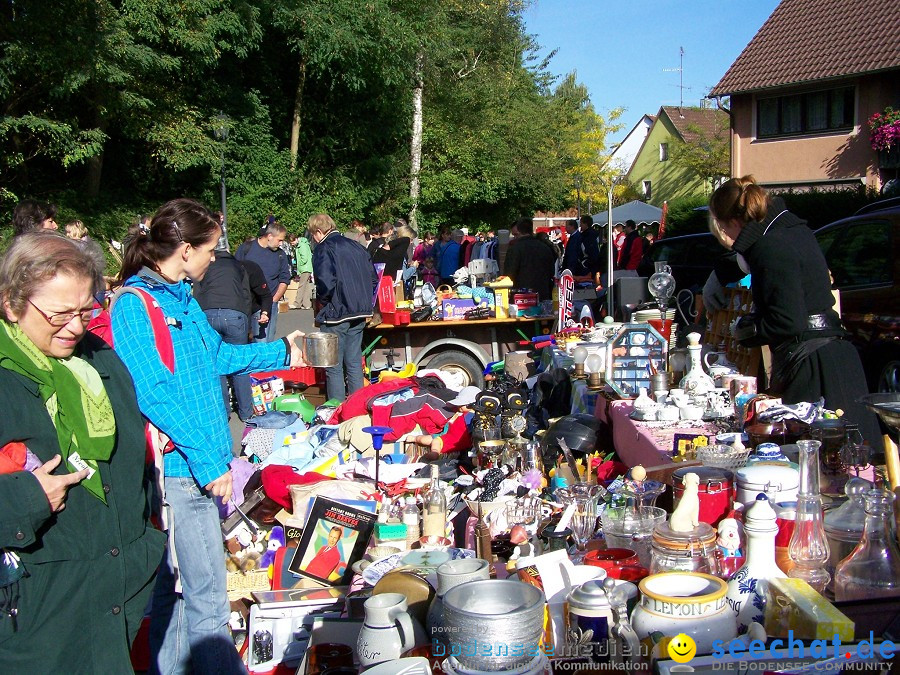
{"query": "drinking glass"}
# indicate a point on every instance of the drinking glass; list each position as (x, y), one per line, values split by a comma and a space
(583, 524)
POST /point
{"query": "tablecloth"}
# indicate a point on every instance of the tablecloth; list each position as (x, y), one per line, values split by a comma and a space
(646, 443)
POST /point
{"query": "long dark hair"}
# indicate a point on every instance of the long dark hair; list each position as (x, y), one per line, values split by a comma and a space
(180, 221)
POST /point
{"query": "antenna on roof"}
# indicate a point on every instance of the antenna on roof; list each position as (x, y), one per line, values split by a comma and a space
(680, 71)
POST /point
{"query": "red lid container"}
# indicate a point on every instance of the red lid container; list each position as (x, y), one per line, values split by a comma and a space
(715, 491)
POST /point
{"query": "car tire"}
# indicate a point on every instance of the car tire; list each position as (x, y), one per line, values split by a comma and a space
(459, 362)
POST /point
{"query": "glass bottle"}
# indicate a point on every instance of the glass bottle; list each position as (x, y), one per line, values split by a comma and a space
(809, 547)
(434, 511)
(872, 570)
(411, 520)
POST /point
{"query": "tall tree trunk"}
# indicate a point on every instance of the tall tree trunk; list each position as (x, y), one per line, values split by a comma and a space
(416, 144)
(95, 166)
(298, 107)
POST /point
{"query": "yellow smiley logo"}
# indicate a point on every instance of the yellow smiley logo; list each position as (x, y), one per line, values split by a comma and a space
(682, 648)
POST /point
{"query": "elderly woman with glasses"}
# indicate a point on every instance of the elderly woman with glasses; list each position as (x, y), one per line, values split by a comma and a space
(78, 550)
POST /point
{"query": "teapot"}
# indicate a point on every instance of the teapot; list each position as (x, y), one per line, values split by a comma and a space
(388, 630)
(721, 366)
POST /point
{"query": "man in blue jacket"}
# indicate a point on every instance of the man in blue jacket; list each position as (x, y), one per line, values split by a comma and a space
(345, 290)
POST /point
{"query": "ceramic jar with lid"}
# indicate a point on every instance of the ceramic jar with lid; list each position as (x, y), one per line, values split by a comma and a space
(714, 491)
(685, 602)
(767, 452)
(589, 618)
(777, 480)
(693, 551)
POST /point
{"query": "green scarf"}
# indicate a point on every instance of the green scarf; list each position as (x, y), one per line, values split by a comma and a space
(75, 398)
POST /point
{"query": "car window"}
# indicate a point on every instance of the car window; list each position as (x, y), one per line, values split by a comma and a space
(860, 255)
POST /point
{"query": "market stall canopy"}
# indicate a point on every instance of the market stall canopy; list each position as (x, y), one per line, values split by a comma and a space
(638, 211)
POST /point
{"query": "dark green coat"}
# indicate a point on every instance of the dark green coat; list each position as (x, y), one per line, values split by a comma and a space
(90, 565)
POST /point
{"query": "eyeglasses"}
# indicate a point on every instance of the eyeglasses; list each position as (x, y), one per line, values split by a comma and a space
(60, 319)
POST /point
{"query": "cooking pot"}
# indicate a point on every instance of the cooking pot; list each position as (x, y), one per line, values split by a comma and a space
(320, 350)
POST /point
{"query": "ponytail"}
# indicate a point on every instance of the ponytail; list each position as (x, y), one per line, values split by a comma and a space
(741, 199)
(177, 222)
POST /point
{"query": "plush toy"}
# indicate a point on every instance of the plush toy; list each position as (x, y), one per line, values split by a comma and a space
(276, 541)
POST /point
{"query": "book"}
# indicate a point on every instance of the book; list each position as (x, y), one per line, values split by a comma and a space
(334, 537)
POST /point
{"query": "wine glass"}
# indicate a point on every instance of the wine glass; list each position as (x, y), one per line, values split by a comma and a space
(583, 523)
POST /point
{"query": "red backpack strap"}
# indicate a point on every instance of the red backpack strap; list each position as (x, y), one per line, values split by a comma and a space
(158, 323)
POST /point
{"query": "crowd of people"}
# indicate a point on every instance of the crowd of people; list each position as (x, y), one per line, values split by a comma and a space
(81, 555)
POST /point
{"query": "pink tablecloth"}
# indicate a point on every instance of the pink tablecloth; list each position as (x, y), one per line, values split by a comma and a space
(646, 443)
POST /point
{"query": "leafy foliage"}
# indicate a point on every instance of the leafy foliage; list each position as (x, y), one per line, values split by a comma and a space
(123, 116)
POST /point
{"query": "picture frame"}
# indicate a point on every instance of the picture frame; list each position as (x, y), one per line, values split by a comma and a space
(632, 355)
(334, 537)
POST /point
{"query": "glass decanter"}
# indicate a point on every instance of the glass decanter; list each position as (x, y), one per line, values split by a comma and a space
(661, 285)
(872, 570)
(809, 548)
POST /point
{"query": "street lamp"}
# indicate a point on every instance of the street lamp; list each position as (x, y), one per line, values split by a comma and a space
(221, 130)
(610, 247)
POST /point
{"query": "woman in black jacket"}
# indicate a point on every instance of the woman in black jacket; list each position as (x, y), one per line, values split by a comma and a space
(794, 315)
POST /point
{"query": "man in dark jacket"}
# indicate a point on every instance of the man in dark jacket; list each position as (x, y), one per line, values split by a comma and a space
(345, 289)
(531, 262)
(228, 294)
(266, 252)
(590, 246)
(572, 258)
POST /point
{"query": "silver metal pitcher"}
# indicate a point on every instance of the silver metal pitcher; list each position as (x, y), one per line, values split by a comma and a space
(320, 350)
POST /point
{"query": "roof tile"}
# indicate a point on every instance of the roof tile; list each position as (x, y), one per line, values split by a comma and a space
(808, 40)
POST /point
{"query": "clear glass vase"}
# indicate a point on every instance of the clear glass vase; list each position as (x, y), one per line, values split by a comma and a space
(808, 549)
(872, 570)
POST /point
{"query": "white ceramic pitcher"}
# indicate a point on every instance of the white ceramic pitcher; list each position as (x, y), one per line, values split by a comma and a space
(387, 631)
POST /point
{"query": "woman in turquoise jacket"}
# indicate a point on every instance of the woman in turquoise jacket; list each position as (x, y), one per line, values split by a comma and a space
(189, 631)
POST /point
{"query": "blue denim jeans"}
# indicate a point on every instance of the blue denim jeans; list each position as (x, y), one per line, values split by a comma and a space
(234, 328)
(266, 331)
(349, 359)
(189, 632)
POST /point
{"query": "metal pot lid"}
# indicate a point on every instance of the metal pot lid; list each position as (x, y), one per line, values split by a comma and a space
(756, 476)
(590, 595)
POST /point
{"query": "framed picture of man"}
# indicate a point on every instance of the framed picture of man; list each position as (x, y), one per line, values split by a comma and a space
(334, 537)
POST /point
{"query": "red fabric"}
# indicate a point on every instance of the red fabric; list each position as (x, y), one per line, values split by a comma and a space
(277, 480)
(457, 436)
(357, 403)
(12, 457)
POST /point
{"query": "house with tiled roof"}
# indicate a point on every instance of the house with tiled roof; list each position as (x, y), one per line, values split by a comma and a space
(803, 89)
(654, 173)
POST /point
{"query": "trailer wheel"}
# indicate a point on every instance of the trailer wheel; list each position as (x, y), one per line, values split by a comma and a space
(459, 363)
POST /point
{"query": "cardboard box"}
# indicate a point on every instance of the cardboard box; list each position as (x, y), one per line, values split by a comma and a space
(501, 303)
(456, 308)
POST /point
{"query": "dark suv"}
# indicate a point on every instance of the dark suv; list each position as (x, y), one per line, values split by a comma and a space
(863, 254)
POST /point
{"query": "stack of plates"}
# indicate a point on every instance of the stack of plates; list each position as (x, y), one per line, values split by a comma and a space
(641, 316)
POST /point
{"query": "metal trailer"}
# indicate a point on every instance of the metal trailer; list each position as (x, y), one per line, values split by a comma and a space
(464, 347)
